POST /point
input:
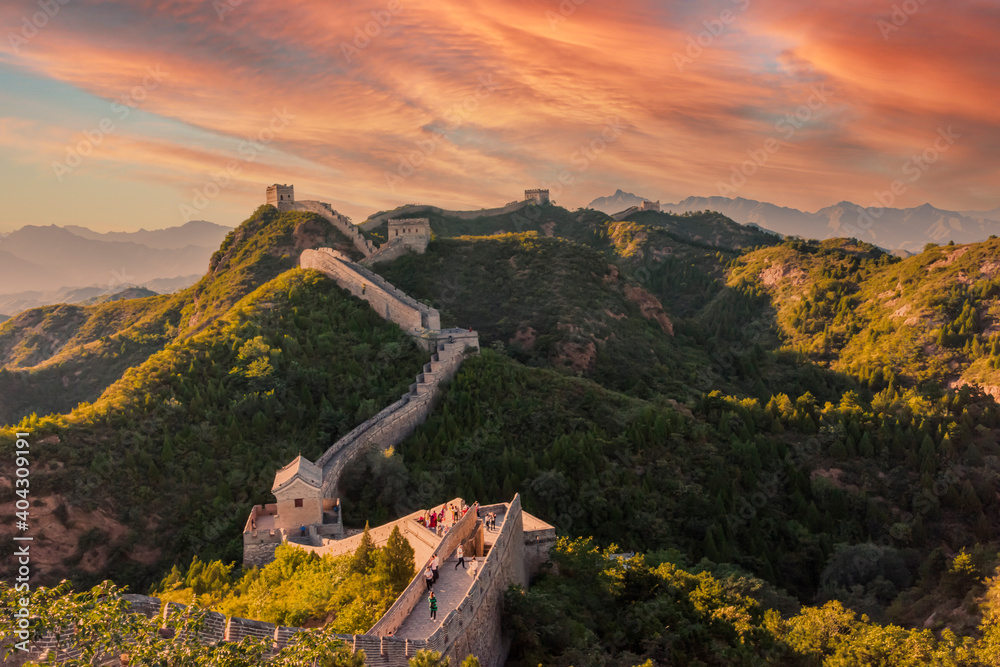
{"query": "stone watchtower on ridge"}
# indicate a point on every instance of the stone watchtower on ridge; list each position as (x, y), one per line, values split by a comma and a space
(413, 233)
(281, 196)
(538, 196)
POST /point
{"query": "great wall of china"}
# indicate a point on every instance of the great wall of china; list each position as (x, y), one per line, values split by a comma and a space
(470, 606)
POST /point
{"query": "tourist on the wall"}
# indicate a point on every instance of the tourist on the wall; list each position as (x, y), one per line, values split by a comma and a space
(461, 557)
(435, 564)
(434, 606)
(428, 576)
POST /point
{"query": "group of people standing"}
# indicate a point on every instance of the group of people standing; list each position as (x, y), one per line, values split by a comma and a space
(441, 520)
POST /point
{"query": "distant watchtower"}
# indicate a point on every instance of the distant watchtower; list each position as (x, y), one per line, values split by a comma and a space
(281, 196)
(412, 233)
(650, 205)
(537, 196)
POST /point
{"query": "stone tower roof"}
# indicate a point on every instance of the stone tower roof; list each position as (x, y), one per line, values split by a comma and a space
(300, 468)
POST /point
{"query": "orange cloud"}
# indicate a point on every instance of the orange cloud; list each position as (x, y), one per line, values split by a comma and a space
(466, 103)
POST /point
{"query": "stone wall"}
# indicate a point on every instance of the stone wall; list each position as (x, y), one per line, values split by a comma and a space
(412, 210)
(409, 598)
(388, 251)
(389, 302)
(474, 626)
(343, 225)
(396, 422)
(259, 555)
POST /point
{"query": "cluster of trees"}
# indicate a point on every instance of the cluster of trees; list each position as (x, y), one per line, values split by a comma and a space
(608, 609)
(347, 593)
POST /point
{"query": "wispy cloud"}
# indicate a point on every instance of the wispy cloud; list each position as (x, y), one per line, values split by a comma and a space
(556, 88)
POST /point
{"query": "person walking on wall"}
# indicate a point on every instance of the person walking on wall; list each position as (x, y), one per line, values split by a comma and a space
(434, 606)
(461, 557)
(435, 564)
(428, 576)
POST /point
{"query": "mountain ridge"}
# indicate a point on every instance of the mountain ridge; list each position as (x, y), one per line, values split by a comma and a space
(898, 229)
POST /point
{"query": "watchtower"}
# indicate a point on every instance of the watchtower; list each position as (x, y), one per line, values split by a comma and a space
(298, 488)
(647, 205)
(281, 196)
(537, 196)
(412, 233)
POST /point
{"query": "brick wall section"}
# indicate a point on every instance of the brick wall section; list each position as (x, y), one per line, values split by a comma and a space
(474, 626)
(536, 549)
(396, 422)
(411, 211)
(142, 604)
(386, 302)
(238, 628)
(259, 554)
(413, 594)
(343, 225)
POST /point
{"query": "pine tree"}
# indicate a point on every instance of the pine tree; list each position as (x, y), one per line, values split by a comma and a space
(364, 555)
(395, 562)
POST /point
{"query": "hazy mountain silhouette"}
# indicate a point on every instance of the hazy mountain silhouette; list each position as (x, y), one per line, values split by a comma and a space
(50, 264)
(906, 229)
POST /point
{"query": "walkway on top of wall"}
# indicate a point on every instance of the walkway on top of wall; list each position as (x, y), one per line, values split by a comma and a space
(451, 588)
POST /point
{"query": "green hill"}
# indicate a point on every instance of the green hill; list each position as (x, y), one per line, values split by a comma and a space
(930, 318)
(55, 357)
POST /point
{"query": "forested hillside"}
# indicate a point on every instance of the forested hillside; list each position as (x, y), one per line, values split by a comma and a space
(791, 413)
(55, 357)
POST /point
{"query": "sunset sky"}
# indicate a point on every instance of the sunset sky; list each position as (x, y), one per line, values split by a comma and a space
(120, 114)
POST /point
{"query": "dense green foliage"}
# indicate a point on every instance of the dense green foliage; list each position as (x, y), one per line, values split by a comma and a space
(348, 593)
(608, 611)
(549, 302)
(774, 488)
(104, 626)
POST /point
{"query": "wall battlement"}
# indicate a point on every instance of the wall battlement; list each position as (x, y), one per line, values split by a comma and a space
(218, 629)
(343, 225)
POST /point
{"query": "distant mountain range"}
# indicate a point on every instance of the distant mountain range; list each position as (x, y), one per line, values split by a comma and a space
(51, 264)
(897, 229)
